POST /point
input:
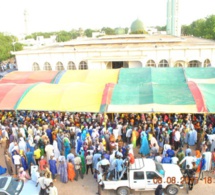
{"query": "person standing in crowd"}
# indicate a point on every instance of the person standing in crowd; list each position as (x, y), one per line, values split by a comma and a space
(70, 170)
(213, 162)
(78, 171)
(177, 138)
(40, 181)
(53, 167)
(71, 157)
(89, 162)
(62, 169)
(37, 155)
(42, 164)
(201, 168)
(17, 161)
(52, 190)
(189, 160)
(49, 149)
(144, 149)
(8, 163)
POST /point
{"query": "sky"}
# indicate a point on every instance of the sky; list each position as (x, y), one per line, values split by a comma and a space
(56, 15)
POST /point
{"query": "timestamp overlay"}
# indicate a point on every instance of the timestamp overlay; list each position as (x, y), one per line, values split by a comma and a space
(184, 180)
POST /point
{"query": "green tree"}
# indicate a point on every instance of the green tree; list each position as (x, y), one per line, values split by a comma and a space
(108, 31)
(88, 32)
(209, 28)
(63, 36)
(8, 44)
(204, 28)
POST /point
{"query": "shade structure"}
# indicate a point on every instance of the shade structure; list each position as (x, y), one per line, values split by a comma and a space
(152, 98)
(200, 75)
(151, 75)
(90, 76)
(161, 90)
(29, 77)
(75, 97)
(10, 94)
(207, 91)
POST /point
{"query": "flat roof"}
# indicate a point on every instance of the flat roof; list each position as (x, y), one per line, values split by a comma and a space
(123, 42)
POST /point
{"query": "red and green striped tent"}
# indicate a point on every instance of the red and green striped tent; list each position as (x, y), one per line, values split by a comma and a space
(167, 90)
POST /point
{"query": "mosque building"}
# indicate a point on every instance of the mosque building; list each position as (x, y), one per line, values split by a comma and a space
(124, 50)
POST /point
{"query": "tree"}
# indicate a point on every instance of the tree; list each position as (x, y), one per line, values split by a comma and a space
(88, 32)
(63, 36)
(209, 27)
(8, 44)
(204, 28)
(108, 31)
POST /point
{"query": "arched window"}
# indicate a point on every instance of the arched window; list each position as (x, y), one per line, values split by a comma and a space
(151, 63)
(207, 63)
(125, 65)
(178, 65)
(163, 63)
(194, 63)
(59, 66)
(83, 65)
(71, 66)
(47, 66)
(35, 67)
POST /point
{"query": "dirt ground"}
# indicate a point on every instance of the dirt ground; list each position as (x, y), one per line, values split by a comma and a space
(88, 186)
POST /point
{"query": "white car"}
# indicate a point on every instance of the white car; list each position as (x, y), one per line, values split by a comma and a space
(146, 175)
(13, 186)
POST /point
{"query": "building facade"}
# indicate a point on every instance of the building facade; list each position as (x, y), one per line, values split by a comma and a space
(173, 26)
(127, 51)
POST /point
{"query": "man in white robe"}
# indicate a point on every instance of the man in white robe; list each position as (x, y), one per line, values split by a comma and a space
(208, 156)
(192, 137)
(49, 150)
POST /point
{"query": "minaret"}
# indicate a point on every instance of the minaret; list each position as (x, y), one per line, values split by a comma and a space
(26, 21)
(173, 26)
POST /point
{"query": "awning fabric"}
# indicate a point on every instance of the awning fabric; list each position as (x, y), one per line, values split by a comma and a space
(90, 76)
(77, 97)
(10, 94)
(29, 77)
(152, 98)
(161, 90)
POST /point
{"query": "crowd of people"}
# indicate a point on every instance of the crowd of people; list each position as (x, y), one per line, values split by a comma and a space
(42, 145)
(5, 66)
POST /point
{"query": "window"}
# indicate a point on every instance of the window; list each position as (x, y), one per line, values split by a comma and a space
(178, 64)
(59, 66)
(47, 66)
(35, 67)
(159, 168)
(194, 63)
(151, 63)
(83, 65)
(207, 63)
(71, 66)
(151, 175)
(163, 63)
(138, 175)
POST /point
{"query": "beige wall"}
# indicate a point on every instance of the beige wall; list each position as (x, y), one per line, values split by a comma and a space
(138, 57)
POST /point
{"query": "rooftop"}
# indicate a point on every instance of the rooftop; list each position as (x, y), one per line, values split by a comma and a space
(123, 42)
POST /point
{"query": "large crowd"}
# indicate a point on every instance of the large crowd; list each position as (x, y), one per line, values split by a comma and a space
(45, 146)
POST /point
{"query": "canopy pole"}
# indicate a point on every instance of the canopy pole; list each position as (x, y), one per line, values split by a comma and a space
(105, 121)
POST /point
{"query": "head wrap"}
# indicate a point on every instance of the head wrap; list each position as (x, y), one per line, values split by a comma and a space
(198, 154)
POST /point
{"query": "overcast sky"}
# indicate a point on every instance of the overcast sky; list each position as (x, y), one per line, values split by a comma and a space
(55, 15)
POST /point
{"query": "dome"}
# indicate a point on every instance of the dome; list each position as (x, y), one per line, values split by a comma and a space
(137, 26)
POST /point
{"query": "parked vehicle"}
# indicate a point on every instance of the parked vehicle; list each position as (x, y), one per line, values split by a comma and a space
(146, 175)
(13, 186)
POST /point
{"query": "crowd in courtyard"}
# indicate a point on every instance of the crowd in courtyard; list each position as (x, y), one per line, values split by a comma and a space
(50, 146)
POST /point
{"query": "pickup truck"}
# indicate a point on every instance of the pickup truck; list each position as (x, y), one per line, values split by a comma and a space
(146, 175)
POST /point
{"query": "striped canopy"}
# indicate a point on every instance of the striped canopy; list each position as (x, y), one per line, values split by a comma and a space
(163, 90)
